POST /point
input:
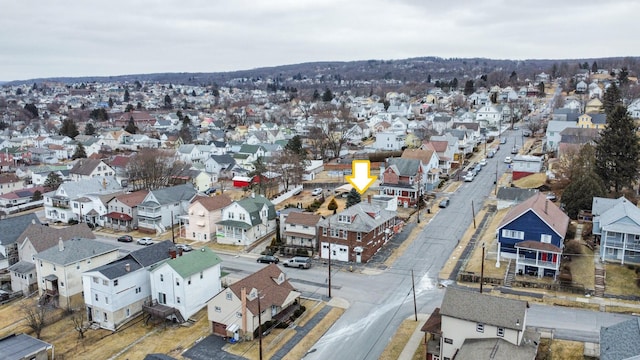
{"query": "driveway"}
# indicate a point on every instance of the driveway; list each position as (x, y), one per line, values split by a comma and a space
(210, 348)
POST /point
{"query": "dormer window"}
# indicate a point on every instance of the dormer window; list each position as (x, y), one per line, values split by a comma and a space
(344, 219)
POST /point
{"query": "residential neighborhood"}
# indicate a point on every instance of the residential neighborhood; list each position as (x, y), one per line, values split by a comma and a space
(230, 213)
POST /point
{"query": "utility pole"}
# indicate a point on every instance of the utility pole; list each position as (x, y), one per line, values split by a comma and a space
(173, 237)
(259, 327)
(496, 190)
(329, 248)
(482, 269)
(473, 214)
(413, 288)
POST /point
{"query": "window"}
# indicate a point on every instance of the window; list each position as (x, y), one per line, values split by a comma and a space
(241, 216)
(138, 290)
(62, 283)
(480, 327)
(513, 234)
(228, 295)
(115, 282)
(201, 275)
(545, 238)
(178, 299)
(97, 297)
(105, 282)
(128, 312)
(239, 315)
(177, 282)
(189, 281)
(78, 266)
(95, 279)
(501, 332)
(324, 231)
(161, 277)
(106, 300)
(218, 309)
(448, 341)
(359, 236)
(54, 268)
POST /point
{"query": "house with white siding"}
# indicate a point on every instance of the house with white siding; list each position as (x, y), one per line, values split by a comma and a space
(247, 220)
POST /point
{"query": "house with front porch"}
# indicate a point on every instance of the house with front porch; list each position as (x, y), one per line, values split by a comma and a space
(122, 211)
(58, 206)
(430, 163)
(356, 233)
(532, 233)
(204, 213)
(185, 283)
(115, 293)
(11, 228)
(300, 233)
(247, 220)
(473, 325)
(616, 223)
(402, 178)
(59, 269)
(161, 207)
(264, 296)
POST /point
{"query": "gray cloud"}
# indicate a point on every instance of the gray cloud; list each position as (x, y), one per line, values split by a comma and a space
(76, 38)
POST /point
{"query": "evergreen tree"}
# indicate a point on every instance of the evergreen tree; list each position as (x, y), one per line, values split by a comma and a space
(353, 197)
(316, 94)
(468, 87)
(53, 181)
(611, 98)
(131, 126)
(454, 83)
(579, 194)
(139, 106)
(129, 108)
(68, 128)
(327, 95)
(167, 102)
(295, 145)
(185, 134)
(333, 205)
(126, 96)
(594, 67)
(541, 89)
(618, 150)
(89, 129)
(259, 171)
(32, 109)
(37, 195)
(80, 152)
(429, 78)
(110, 102)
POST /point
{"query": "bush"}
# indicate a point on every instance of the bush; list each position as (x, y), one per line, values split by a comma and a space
(72, 221)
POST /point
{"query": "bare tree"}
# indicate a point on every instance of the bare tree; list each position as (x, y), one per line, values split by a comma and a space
(79, 325)
(290, 165)
(317, 143)
(36, 316)
(152, 169)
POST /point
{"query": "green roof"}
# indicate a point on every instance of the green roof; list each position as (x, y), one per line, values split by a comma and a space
(235, 223)
(240, 156)
(253, 205)
(194, 262)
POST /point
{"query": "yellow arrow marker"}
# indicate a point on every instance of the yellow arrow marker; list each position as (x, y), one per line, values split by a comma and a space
(360, 176)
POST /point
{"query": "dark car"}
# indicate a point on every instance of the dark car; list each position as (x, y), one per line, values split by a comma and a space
(210, 191)
(444, 203)
(125, 238)
(268, 259)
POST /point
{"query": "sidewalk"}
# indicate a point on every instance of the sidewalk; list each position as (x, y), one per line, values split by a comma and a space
(415, 339)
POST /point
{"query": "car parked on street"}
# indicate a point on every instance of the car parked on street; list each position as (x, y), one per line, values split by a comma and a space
(491, 154)
(268, 259)
(316, 192)
(145, 241)
(125, 238)
(503, 140)
(468, 177)
(444, 203)
(508, 160)
(483, 162)
(299, 262)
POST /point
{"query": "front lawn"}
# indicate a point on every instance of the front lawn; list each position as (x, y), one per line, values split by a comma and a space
(621, 280)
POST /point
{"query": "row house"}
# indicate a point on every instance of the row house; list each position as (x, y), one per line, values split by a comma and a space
(58, 204)
(299, 233)
(356, 233)
(616, 223)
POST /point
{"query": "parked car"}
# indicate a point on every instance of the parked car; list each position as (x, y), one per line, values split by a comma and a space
(468, 177)
(526, 133)
(477, 168)
(514, 150)
(508, 160)
(125, 238)
(483, 162)
(503, 140)
(184, 247)
(145, 241)
(210, 191)
(316, 192)
(299, 262)
(268, 259)
(491, 154)
(444, 203)
(551, 196)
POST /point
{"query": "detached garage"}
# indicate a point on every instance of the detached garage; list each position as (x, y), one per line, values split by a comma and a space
(241, 181)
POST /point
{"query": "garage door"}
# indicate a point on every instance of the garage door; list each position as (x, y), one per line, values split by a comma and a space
(219, 329)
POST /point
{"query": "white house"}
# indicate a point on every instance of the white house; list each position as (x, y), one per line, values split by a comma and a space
(57, 204)
(85, 169)
(156, 210)
(389, 141)
(187, 282)
(115, 292)
(247, 220)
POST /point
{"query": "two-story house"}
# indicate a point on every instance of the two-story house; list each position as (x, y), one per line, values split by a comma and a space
(533, 233)
(222, 166)
(266, 295)
(300, 233)
(472, 325)
(10, 230)
(389, 141)
(161, 207)
(114, 293)
(122, 211)
(191, 153)
(57, 204)
(616, 223)
(246, 221)
(402, 178)
(430, 162)
(10, 182)
(85, 169)
(185, 283)
(356, 233)
(34, 239)
(204, 213)
(592, 121)
(59, 268)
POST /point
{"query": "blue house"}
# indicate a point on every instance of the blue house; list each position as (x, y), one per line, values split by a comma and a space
(533, 233)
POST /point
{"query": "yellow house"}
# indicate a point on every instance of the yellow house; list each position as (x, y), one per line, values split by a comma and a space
(592, 121)
(594, 106)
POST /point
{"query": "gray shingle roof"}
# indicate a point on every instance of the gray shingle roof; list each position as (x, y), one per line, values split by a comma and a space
(43, 237)
(620, 341)
(483, 308)
(102, 185)
(22, 267)
(116, 269)
(21, 346)
(75, 250)
(405, 167)
(153, 254)
(11, 228)
(171, 194)
(362, 221)
(500, 349)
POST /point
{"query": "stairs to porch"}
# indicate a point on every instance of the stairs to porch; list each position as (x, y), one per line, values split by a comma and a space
(511, 273)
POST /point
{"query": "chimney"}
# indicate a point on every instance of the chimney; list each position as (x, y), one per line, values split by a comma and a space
(179, 252)
(172, 253)
(60, 244)
(369, 199)
(546, 206)
(33, 221)
(243, 295)
(127, 267)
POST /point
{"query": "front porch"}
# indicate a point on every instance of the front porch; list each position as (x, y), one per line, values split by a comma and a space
(537, 259)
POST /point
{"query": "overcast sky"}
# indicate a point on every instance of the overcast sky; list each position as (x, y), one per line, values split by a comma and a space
(40, 38)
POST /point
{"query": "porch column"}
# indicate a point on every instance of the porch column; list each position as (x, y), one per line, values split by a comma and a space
(624, 247)
(498, 257)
